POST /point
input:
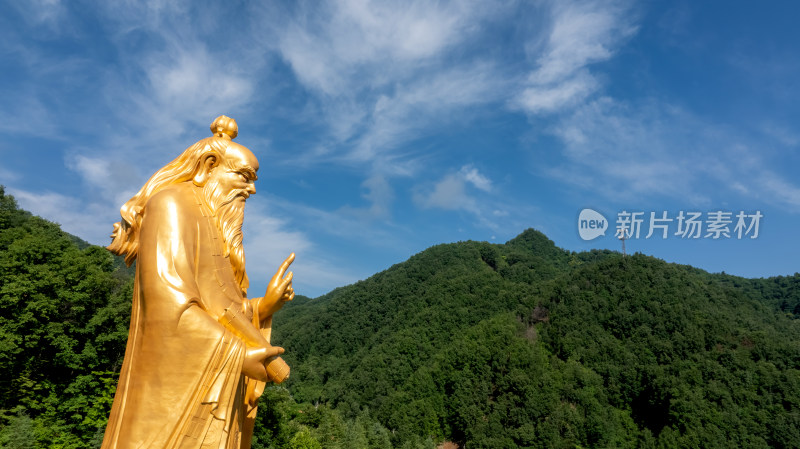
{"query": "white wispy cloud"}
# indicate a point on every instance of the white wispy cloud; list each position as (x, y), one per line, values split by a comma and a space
(452, 193)
(785, 135)
(383, 73)
(45, 13)
(27, 114)
(581, 34)
(379, 193)
(185, 72)
(332, 44)
(778, 189)
(111, 180)
(192, 82)
(272, 233)
(625, 152)
(7, 176)
(629, 149)
(339, 222)
(470, 192)
(418, 107)
(550, 98)
(474, 177)
(91, 222)
(628, 152)
(117, 121)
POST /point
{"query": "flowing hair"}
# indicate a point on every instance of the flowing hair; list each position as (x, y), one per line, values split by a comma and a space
(125, 238)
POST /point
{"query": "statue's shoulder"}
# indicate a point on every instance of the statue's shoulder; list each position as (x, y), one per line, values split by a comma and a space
(175, 197)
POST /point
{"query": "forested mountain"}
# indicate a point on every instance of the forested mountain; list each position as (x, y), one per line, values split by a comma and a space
(64, 313)
(527, 345)
(481, 345)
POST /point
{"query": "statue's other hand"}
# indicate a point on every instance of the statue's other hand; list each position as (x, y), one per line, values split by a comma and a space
(255, 359)
(279, 290)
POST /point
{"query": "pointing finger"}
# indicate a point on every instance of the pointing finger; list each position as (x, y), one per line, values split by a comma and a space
(286, 264)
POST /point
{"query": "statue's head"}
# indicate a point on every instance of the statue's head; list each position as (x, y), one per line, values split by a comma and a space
(226, 172)
(227, 177)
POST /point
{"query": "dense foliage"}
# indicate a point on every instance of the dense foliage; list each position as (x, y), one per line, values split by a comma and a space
(64, 315)
(526, 345)
(482, 345)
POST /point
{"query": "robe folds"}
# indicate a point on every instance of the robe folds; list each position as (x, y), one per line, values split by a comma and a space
(181, 384)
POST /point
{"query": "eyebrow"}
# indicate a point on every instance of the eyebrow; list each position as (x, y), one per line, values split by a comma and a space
(249, 172)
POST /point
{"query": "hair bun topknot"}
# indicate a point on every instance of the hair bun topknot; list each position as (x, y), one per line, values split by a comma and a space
(224, 126)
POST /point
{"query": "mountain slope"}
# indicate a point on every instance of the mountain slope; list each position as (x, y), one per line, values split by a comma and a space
(526, 345)
(64, 313)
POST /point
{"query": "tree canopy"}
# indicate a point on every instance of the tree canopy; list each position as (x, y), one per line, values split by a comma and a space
(528, 345)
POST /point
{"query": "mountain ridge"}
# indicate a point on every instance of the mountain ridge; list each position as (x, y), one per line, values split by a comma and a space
(611, 323)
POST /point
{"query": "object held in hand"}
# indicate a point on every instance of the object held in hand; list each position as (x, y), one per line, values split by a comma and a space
(239, 325)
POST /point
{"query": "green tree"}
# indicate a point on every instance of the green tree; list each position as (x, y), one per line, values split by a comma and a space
(18, 433)
(303, 440)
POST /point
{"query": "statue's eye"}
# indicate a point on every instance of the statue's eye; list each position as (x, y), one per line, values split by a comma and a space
(242, 176)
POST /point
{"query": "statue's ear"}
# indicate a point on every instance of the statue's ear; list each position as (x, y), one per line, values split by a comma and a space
(204, 170)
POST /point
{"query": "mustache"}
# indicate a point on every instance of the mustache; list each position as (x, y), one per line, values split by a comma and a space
(233, 196)
(218, 198)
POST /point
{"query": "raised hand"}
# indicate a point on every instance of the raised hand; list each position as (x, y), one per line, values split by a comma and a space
(279, 290)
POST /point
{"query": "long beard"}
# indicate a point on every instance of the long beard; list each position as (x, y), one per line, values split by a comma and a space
(229, 218)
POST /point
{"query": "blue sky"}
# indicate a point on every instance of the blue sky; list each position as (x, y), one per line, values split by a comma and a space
(383, 128)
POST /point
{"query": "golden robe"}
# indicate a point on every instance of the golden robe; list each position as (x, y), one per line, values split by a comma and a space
(181, 384)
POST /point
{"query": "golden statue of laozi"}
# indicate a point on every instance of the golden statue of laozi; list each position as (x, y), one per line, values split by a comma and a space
(198, 354)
